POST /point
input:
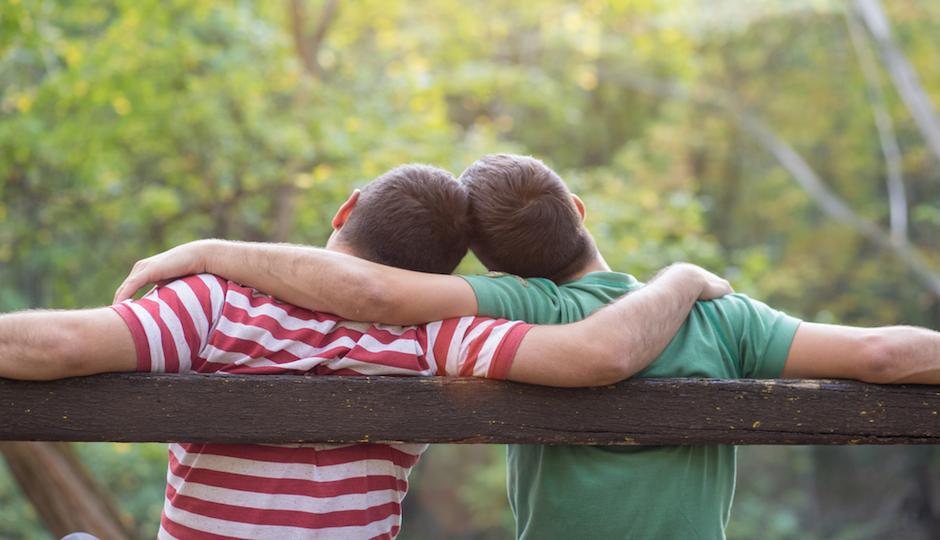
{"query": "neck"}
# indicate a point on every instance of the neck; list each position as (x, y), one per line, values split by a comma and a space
(336, 243)
(598, 264)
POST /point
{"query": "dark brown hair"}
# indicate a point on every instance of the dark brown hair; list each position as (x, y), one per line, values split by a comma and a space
(412, 217)
(523, 220)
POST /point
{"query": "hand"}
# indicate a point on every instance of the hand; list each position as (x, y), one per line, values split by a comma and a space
(714, 287)
(183, 260)
(711, 285)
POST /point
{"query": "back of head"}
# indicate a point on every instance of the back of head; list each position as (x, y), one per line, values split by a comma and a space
(412, 217)
(523, 219)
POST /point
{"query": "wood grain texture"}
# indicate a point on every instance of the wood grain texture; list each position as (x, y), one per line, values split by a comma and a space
(286, 409)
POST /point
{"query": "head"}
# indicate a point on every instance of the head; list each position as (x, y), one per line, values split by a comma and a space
(412, 217)
(524, 220)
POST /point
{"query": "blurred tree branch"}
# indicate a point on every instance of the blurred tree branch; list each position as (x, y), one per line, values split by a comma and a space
(902, 73)
(834, 206)
(309, 47)
(897, 200)
(791, 160)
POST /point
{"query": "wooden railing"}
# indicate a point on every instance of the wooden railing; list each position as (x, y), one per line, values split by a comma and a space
(286, 409)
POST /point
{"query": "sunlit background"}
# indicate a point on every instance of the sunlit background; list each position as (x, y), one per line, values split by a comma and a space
(791, 145)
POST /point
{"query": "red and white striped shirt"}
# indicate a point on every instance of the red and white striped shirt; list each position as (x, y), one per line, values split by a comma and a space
(203, 324)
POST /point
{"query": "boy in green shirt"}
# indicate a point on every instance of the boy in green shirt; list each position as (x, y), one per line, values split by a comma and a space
(644, 492)
(525, 221)
(629, 491)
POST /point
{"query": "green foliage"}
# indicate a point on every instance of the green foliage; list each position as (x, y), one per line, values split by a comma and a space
(132, 127)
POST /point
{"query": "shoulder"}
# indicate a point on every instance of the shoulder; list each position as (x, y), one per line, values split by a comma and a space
(502, 279)
(604, 279)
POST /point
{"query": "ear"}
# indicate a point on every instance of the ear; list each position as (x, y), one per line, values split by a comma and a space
(343, 213)
(580, 205)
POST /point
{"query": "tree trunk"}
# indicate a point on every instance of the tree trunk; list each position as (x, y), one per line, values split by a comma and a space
(64, 494)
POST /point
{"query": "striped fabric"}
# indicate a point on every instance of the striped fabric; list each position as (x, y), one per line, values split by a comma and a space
(203, 324)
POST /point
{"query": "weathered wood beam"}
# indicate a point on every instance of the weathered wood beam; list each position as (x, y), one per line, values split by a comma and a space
(285, 409)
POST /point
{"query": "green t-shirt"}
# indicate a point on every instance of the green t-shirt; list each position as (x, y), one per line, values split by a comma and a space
(644, 492)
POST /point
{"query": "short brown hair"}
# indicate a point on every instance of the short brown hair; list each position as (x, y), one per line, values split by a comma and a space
(412, 217)
(523, 220)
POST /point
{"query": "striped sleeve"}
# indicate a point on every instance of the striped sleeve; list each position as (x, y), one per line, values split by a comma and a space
(204, 324)
(474, 346)
(171, 324)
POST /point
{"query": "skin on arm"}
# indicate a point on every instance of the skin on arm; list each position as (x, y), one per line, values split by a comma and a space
(45, 345)
(314, 278)
(618, 340)
(893, 354)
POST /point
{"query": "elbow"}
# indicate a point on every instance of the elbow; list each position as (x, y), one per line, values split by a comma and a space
(372, 298)
(612, 363)
(621, 356)
(61, 357)
(879, 357)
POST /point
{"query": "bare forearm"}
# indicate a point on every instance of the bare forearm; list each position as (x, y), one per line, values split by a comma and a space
(43, 345)
(634, 330)
(316, 279)
(305, 276)
(23, 353)
(890, 354)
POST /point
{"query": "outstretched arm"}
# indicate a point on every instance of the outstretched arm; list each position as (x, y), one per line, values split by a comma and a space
(45, 345)
(891, 354)
(618, 340)
(315, 279)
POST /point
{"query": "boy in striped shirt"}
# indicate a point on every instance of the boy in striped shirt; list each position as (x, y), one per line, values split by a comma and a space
(205, 324)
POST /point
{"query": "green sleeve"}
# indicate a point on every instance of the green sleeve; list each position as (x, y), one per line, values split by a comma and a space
(540, 301)
(759, 335)
(765, 339)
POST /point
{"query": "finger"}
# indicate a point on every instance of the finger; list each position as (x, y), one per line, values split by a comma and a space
(716, 289)
(126, 290)
(119, 294)
(130, 288)
(132, 283)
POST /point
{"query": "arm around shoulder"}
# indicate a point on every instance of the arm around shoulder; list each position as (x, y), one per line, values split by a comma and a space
(619, 340)
(348, 286)
(314, 278)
